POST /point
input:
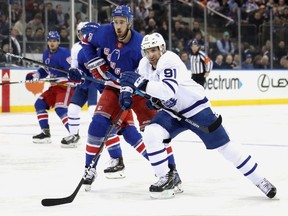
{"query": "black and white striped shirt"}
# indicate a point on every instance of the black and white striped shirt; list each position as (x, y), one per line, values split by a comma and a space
(200, 63)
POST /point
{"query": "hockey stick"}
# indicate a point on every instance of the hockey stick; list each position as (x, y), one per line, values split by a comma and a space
(45, 65)
(50, 80)
(205, 129)
(69, 199)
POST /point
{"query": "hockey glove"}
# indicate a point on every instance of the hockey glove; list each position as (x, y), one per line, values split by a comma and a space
(154, 103)
(32, 77)
(133, 80)
(125, 97)
(75, 75)
(98, 68)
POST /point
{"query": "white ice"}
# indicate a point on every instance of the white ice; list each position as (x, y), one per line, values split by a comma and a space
(212, 186)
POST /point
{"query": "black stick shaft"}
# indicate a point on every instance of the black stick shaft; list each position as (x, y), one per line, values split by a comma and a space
(69, 199)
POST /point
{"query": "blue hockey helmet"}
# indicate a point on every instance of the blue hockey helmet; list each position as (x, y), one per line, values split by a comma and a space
(123, 11)
(89, 27)
(53, 35)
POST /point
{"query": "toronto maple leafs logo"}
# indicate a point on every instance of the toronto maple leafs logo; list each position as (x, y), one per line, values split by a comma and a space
(170, 103)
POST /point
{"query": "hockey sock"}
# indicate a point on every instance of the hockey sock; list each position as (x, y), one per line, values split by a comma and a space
(156, 151)
(42, 114)
(113, 145)
(74, 118)
(242, 161)
(96, 133)
(62, 113)
(134, 138)
(169, 150)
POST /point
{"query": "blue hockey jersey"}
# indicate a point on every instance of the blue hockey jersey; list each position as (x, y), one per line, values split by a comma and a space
(60, 59)
(119, 56)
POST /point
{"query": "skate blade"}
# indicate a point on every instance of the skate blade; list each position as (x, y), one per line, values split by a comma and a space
(71, 145)
(166, 194)
(88, 188)
(42, 141)
(115, 175)
(178, 189)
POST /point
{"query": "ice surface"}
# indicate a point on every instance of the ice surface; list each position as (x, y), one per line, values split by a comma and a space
(212, 186)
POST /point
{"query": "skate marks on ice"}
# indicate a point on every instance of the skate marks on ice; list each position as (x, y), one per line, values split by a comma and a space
(31, 172)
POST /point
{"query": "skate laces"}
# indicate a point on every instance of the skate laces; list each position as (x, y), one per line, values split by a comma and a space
(71, 137)
(162, 180)
(113, 162)
(91, 173)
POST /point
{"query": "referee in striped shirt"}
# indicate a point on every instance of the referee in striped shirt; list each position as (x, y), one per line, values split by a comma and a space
(201, 64)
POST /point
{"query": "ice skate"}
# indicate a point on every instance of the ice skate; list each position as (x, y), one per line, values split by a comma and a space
(115, 169)
(164, 187)
(178, 183)
(89, 178)
(43, 137)
(71, 141)
(267, 188)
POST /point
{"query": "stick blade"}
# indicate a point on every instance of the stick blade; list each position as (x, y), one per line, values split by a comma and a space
(215, 125)
(56, 201)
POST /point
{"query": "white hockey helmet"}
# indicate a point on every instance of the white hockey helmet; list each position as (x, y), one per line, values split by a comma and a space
(153, 40)
(79, 27)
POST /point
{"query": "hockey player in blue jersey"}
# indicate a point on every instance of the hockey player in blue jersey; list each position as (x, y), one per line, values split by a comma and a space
(86, 91)
(118, 46)
(163, 76)
(58, 95)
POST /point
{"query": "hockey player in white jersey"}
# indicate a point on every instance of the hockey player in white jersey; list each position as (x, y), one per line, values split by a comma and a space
(164, 77)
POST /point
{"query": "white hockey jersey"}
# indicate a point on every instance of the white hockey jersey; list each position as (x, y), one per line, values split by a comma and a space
(171, 82)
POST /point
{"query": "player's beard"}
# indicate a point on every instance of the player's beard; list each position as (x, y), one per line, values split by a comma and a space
(121, 36)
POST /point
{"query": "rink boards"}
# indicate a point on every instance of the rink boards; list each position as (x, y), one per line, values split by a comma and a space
(223, 88)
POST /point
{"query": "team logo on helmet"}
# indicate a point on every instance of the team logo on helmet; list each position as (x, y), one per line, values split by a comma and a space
(123, 11)
(53, 35)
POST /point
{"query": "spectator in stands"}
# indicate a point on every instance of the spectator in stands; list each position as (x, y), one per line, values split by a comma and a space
(163, 30)
(248, 63)
(20, 25)
(185, 58)
(36, 23)
(218, 63)
(214, 5)
(225, 45)
(140, 11)
(52, 16)
(7, 60)
(147, 3)
(29, 40)
(39, 38)
(150, 15)
(12, 39)
(64, 37)
(151, 27)
(16, 11)
(248, 7)
(4, 25)
(60, 15)
(232, 4)
(228, 62)
(261, 62)
(280, 51)
(256, 19)
(284, 62)
(196, 29)
(236, 61)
